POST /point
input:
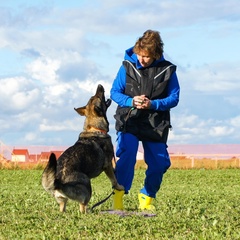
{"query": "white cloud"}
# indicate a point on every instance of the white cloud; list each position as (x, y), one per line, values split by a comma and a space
(221, 131)
(17, 93)
(30, 137)
(58, 56)
(193, 129)
(44, 69)
(68, 124)
(214, 78)
(22, 100)
(10, 85)
(235, 122)
(233, 100)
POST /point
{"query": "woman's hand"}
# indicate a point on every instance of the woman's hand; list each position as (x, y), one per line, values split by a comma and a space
(141, 102)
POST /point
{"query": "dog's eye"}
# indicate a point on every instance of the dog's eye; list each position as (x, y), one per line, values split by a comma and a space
(98, 110)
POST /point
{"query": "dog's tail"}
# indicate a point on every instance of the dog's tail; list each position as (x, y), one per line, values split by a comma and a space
(49, 174)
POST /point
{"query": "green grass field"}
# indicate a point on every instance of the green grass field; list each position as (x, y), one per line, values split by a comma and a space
(192, 204)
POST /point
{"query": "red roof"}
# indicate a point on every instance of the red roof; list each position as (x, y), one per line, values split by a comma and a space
(57, 153)
(20, 152)
(46, 155)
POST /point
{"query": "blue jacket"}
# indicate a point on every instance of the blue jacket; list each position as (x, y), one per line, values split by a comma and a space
(119, 84)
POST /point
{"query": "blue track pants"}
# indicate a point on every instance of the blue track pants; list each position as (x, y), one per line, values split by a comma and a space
(155, 155)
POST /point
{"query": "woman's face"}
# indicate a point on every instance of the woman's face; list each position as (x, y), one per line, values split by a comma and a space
(144, 59)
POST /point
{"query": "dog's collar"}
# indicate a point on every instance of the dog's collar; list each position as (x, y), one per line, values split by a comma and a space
(94, 132)
(98, 130)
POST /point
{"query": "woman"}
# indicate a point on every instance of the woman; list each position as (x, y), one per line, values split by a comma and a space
(145, 89)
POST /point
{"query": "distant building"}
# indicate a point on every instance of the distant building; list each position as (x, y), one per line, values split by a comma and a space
(34, 157)
(44, 156)
(20, 155)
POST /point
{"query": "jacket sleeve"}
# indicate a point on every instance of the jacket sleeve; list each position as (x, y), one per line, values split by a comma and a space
(118, 89)
(173, 96)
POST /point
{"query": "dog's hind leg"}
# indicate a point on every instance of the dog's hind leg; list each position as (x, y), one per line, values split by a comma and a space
(80, 193)
(83, 208)
(77, 187)
(110, 174)
(63, 205)
(61, 200)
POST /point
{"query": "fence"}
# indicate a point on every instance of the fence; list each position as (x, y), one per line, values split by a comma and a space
(179, 160)
(208, 161)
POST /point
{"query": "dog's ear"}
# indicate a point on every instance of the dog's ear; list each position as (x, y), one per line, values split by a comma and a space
(81, 110)
(108, 102)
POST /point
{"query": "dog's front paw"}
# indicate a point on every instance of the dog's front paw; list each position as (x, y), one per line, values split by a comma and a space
(119, 187)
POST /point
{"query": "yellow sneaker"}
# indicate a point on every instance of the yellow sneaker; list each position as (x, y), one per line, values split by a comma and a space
(118, 199)
(145, 202)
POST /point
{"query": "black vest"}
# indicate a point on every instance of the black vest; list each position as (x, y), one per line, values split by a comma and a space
(149, 125)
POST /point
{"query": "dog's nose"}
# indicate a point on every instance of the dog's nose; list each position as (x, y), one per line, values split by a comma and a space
(100, 87)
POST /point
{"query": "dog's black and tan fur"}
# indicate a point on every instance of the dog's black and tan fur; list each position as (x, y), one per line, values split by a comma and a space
(69, 176)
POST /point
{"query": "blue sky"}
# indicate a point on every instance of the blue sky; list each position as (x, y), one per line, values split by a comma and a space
(55, 53)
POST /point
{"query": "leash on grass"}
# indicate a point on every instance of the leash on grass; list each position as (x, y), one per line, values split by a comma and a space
(105, 199)
(102, 201)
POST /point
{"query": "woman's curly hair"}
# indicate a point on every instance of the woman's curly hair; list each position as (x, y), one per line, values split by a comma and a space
(151, 43)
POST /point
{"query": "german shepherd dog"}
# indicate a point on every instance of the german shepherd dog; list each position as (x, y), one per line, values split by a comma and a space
(69, 177)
